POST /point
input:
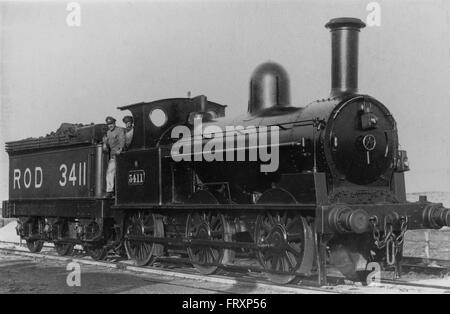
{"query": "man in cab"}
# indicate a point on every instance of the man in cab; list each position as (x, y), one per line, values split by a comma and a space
(129, 130)
(114, 143)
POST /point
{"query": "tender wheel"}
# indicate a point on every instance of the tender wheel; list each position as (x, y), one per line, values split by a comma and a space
(98, 253)
(286, 244)
(213, 227)
(141, 225)
(64, 249)
(60, 229)
(33, 227)
(35, 246)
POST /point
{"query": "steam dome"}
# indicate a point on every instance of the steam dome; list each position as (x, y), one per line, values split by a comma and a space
(269, 87)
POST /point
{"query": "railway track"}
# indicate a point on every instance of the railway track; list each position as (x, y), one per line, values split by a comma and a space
(179, 268)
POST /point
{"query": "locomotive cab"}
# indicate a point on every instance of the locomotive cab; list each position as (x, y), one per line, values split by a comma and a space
(153, 119)
(145, 173)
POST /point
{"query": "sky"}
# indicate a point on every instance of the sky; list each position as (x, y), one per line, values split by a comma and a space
(126, 52)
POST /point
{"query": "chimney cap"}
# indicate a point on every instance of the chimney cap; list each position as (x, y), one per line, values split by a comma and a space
(345, 22)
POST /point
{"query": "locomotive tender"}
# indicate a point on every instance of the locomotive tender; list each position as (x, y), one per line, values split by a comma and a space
(337, 198)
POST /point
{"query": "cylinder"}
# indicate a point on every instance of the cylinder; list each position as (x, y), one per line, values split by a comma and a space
(344, 55)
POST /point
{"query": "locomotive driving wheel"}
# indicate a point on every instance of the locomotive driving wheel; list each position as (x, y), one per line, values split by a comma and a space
(213, 227)
(139, 226)
(286, 245)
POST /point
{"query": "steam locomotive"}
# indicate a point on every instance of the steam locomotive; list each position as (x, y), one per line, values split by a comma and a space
(336, 198)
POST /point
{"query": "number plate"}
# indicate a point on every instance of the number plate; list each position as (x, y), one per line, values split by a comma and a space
(136, 177)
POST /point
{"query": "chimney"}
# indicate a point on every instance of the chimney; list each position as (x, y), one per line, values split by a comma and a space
(344, 54)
